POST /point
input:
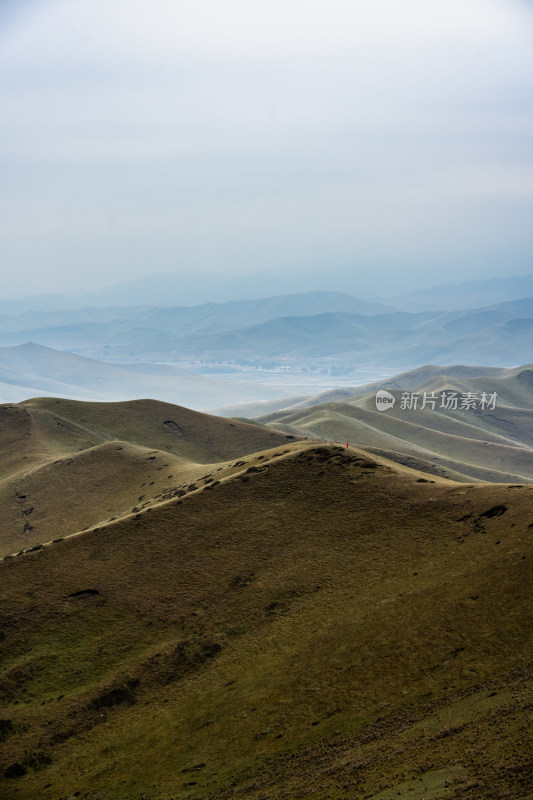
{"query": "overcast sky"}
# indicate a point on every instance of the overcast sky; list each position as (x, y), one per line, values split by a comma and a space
(393, 137)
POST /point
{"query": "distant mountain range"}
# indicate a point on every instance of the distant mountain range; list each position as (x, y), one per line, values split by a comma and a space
(285, 329)
(470, 294)
(183, 289)
(502, 334)
(192, 288)
(156, 332)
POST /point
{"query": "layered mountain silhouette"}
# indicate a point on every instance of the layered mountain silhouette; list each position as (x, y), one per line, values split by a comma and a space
(194, 288)
(466, 294)
(151, 327)
(287, 329)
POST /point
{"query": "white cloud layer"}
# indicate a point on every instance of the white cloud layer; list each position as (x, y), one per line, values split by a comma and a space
(243, 136)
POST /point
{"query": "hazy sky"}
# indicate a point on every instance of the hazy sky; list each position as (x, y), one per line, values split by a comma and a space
(394, 137)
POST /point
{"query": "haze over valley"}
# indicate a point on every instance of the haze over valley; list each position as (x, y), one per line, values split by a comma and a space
(221, 354)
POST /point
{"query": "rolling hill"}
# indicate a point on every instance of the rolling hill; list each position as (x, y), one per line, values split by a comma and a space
(318, 622)
(66, 466)
(405, 381)
(490, 444)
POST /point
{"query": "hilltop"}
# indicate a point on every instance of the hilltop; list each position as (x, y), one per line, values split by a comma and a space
(67, 465)
(317, 622)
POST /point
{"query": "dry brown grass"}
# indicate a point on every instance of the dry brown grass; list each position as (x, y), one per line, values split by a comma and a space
(318, 624)
(67, 466)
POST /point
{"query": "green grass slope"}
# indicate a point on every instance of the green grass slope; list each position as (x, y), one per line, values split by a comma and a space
(319, 624)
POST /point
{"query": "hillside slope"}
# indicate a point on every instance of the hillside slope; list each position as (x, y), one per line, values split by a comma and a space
(318, 624)
(411, 380)
(487, 444)
(68, 465)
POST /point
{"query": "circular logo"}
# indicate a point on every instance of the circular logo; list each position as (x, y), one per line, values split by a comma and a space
(384, 400)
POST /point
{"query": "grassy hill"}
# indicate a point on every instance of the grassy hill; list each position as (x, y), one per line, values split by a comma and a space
(411, 380)
(66, 466)
(475, 444)
(317, 622)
